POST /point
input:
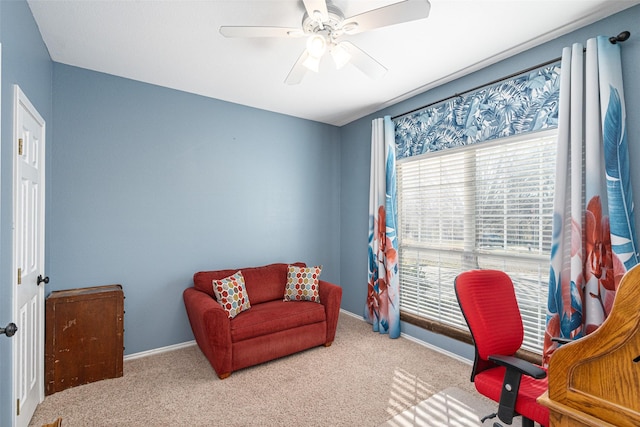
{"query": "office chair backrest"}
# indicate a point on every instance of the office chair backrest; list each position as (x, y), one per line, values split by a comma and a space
(489, 305)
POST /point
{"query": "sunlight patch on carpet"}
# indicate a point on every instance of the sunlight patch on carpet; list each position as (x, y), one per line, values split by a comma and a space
(450, 407)
(406, 389)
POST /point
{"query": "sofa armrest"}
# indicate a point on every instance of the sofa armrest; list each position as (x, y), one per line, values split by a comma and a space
(211, 328)
(331, 298)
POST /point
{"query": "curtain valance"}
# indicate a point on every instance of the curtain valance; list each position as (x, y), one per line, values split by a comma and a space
(521, 104)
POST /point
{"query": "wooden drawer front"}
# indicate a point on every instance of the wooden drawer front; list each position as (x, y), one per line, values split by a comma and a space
(84, 336)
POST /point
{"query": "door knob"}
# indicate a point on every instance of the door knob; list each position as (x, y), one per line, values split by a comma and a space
(41, 279)
(10, 330)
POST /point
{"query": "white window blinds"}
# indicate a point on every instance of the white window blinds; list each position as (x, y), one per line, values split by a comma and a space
(487, 205)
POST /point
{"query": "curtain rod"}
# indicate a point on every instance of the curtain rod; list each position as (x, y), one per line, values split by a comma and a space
(623, 36)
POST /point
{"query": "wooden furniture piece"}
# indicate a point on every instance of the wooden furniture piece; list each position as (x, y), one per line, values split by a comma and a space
(595, 381)
(84, 336)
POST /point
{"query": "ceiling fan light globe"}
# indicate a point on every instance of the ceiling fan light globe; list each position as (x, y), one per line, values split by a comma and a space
(340, 56)
(316, 45)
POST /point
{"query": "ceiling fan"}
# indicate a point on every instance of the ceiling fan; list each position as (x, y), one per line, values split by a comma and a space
(325, 26)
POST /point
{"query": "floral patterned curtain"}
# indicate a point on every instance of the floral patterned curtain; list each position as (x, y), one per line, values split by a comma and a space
(594, 241)
(382, 307)
(524, 103)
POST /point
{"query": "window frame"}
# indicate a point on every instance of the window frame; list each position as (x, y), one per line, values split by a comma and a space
(452, 330)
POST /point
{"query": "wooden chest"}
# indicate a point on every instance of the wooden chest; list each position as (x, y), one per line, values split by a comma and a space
(84, 336)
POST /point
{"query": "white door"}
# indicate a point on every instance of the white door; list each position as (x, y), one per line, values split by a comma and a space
(28, 258)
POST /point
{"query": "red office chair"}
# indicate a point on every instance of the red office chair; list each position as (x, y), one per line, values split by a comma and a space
(488, 302)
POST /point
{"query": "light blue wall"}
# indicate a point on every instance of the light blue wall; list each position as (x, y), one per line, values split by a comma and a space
(151, 185)
(356, 138)
(26, 62)
(147, 185)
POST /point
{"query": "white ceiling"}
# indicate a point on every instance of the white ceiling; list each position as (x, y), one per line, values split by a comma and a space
(176, 44)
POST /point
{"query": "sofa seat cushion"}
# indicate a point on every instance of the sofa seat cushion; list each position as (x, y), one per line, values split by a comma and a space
(274, 316)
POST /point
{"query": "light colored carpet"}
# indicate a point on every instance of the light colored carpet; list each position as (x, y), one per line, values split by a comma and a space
(363, 379)
(451, 407)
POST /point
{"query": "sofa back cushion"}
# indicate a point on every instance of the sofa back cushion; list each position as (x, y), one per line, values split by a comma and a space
(262, 284)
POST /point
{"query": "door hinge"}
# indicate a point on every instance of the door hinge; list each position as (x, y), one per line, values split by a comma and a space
(20, 144)
(19, 276)
(18, 408)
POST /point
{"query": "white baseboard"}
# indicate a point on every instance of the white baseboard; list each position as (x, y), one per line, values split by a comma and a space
(348, 313)
(438, 349)
(342, 310)
(159, 350)
(418, 341)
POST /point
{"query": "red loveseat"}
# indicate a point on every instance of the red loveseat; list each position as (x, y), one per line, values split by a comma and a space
(270, 329)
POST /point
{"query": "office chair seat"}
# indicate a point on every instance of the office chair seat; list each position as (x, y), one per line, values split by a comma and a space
(489, 384)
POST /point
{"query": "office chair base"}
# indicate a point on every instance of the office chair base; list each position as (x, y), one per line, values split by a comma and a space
(488, 417)
(526, 422)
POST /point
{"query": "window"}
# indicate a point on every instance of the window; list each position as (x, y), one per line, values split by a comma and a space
(488, 205)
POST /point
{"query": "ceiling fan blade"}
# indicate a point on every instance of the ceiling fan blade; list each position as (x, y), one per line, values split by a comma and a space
(298, 70)
(261, 32)
(397, 13)
(320, 6)
(365, 63)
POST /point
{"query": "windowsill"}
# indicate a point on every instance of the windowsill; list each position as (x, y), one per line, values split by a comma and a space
(459, 334)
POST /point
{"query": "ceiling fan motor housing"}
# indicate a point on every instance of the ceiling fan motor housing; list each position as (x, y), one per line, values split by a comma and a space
(330, 28)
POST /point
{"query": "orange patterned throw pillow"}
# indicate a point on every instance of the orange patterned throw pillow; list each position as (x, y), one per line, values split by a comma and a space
(231, 294)
(302, 284)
